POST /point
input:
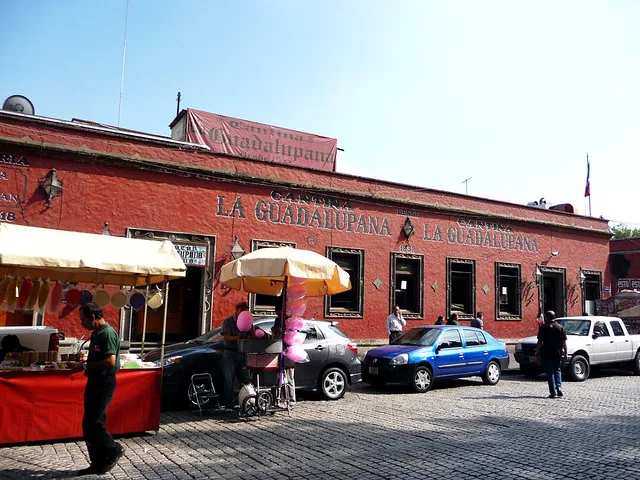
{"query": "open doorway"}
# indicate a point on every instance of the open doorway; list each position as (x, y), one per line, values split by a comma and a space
(553, 291)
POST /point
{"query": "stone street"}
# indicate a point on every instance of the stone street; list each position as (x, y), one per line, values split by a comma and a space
(460, 430)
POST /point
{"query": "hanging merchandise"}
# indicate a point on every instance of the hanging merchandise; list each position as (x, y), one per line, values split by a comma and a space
(45, 288)
(296, 292)
(4, 285)
(293, 337)
(55, 304)
(296, 280)
(154, 300)
(294, 323)
(296, 307)
(101, 298)
(73, 297)
(12, 294)
(23, 293)
(136, 300)
(297, 353)
(32, 299)
(120, 298)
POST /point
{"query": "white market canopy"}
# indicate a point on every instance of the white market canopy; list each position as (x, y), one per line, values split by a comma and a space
(86, 257)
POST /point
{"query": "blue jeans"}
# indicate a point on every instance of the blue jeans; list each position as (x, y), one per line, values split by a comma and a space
(554, 375)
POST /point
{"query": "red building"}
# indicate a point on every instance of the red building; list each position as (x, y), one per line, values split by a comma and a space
(625, 264)
(429, 251)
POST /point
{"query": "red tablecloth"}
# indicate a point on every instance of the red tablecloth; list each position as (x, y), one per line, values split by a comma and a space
(48, 405)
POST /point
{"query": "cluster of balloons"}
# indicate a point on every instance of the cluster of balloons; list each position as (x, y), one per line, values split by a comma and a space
(245, 322)
(296, 307)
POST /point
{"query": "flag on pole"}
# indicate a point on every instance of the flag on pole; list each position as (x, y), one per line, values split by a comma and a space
(587, 188)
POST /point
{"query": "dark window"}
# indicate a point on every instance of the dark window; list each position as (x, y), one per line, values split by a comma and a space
(450, 339)
(265, 304)
(617, 328)
(591, 291)
(461, 287)
(508, 304)
(600, 329)
(313, 335)
(407, 283)
(349, 303)
(470, 338)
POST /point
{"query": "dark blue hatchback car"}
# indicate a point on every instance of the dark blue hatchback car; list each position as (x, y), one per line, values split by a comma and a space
(425, 354)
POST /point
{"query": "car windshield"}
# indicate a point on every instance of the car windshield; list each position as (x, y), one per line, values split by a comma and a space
(576, 327)
(207, 337)
(418, 336)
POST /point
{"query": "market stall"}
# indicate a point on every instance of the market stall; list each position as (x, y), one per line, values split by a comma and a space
(42, 399)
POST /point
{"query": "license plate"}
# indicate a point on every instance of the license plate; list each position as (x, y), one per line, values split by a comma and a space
(373, 370)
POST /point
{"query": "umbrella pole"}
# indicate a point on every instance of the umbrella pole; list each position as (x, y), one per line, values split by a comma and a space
(282, 330)
(144, 322)
(164, 322)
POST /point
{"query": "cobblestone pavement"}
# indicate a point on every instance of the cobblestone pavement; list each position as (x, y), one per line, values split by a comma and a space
(460, 430)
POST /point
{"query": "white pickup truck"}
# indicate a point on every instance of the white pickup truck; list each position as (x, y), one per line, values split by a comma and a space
(590, 341)
(39, 339)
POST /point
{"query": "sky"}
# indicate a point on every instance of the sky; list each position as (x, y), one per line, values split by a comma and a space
(513, 94)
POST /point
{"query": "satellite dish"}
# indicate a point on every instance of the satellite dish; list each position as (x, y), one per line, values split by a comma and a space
(20, 104)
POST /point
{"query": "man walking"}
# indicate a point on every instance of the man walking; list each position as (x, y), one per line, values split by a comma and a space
(233, 361)
(552, 349)
(102, 364)
(394, 324)
(478, 321)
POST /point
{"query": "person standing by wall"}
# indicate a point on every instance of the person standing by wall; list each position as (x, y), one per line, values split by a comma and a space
(453, 319)
(478, 321)
(233, 361)
(440, 320)
(552, 349)
(394, 324)
(102, 364)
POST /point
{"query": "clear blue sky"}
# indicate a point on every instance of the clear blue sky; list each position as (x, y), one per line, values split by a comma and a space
(510, 93)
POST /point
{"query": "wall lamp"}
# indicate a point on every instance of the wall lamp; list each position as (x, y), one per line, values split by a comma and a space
(51, 186)
(555, 253)
(236, 250)
(581, 278)
(537, 275)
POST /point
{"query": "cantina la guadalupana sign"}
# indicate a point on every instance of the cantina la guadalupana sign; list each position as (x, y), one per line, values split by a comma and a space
(326, 213)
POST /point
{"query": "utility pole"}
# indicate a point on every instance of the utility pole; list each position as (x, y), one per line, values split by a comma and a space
(466, 185)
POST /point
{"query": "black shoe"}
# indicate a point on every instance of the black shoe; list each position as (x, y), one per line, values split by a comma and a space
(113, 458)
(559, 393)
(552, 395)
(90, 470)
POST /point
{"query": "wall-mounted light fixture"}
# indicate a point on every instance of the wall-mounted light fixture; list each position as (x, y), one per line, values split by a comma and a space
(407, 228)
(537, 275)
(51, 186)
(105, 229)
(581, 278)
(236, 250)
(555, 253)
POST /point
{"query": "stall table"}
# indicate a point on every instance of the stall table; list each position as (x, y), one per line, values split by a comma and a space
(48, 405)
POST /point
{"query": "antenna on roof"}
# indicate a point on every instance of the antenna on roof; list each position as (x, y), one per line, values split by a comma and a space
(124, 56)
(466, 185)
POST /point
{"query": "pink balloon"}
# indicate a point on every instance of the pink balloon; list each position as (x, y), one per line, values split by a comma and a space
(296, 280)
(259, 333)
(292, 338)
(296, 292)
(294, 323)
(245, 321)
(296, 354)
(297, 307)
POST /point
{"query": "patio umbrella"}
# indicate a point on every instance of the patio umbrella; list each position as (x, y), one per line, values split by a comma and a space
(265, 270)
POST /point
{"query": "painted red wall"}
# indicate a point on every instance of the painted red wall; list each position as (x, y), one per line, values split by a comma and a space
(125, 198)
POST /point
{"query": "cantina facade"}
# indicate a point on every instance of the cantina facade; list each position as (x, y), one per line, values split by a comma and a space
(429, 251)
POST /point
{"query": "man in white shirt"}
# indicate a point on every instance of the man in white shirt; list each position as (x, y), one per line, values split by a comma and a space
(395, 322)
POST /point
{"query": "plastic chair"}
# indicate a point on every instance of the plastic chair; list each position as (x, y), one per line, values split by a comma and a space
(202, 393)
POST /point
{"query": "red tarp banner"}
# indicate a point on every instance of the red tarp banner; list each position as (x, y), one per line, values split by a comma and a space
(257, 141)
(48, 405)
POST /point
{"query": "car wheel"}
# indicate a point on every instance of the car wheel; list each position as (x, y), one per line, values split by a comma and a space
(333, 383)
(529, 371)
(636, 364)
(491, 375)
(422, 379)
(579, 368)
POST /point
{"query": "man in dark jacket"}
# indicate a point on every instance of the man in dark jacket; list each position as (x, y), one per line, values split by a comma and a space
(552, 349)
(453, 319)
